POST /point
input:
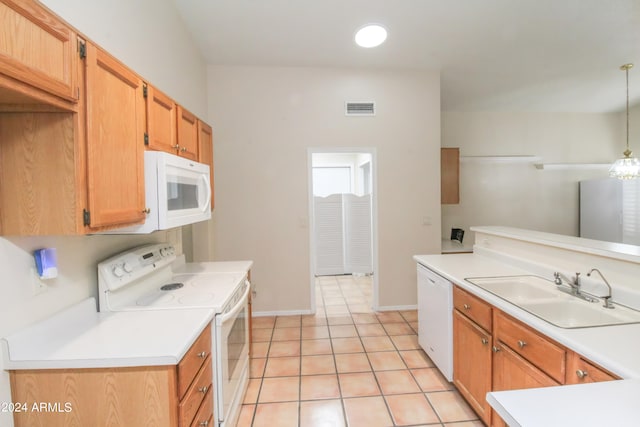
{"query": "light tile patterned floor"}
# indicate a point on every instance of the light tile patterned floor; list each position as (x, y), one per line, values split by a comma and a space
(347, 366)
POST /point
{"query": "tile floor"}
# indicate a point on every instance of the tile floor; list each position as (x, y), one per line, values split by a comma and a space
(346, 366)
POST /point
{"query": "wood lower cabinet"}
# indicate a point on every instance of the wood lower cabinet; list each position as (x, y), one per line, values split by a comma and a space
(472, 363)
(38, 50)
(494, 352)
(581, 371)
(540, 351)
(120, 397)
(511, 371)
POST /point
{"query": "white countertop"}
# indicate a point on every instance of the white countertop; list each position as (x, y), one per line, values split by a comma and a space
(80, 337)
(613, 403)
(615, 348)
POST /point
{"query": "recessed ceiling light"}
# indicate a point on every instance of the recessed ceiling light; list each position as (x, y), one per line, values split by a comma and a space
(371, 36)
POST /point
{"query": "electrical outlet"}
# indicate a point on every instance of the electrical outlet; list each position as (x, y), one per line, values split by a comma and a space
(37, 285)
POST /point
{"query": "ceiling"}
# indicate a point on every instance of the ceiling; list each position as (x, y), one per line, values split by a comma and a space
(493, 55)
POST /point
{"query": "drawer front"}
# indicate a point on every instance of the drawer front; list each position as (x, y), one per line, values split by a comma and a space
(193, 360)
(582, 372)
(472, 307)
(200, 389)
(204, 417)
(544, 354)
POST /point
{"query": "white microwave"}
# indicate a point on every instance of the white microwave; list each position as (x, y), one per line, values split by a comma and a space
(177, 193)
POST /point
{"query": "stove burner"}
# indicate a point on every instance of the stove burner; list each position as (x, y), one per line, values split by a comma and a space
(171, 286)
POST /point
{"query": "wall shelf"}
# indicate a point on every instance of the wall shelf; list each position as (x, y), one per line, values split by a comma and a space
(501, 159)
(570, 166)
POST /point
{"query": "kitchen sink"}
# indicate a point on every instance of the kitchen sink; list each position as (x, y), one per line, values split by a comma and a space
(517, 289)
(575, 313)
(543, 299)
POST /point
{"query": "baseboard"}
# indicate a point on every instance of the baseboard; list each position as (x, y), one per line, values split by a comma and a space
(281, 313)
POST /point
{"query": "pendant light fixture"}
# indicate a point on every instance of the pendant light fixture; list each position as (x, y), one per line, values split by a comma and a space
(627, 167)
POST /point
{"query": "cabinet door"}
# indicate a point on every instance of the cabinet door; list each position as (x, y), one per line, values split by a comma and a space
(449, 176)
(37, 48)
(115, 141)
(205, 151)
(512, 372)
(472, 364)
(187, 134)
(161, 121)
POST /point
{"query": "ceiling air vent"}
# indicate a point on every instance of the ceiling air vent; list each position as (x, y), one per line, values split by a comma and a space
(360, 108)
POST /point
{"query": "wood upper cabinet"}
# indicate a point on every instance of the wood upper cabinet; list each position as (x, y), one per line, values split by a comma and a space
(449, 176)
(205, 151)
(161, 120)
(37, 49)
(472, 363)
(187, 134)
(115, 141)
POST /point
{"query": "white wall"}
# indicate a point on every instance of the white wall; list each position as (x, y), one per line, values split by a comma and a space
(158, 48)
(518, 194)
(265, 119)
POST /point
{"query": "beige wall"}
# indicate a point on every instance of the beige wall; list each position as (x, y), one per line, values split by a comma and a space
(158, 49)
(264, 121)
(518, 194)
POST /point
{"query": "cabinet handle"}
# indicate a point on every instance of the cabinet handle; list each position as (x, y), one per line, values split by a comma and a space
(466, 306)
(581, 374)
(204, 423)
(495, 349)
(177, 146)
(183, 149)
(202, 354)
(521, 343)
(484, 341)
(203, 390)
(146, 211)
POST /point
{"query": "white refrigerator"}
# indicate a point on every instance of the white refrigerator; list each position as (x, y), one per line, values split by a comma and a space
(609, 210)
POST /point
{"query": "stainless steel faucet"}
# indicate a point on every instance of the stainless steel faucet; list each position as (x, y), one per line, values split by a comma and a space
(574, 283)
(607, 299)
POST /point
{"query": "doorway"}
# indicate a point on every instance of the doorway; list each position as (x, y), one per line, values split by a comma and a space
(343, 217)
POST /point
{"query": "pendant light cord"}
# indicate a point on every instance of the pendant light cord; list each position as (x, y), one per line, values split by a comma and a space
(626, 68)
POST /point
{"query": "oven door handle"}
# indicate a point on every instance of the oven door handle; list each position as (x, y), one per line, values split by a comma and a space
(241, 303)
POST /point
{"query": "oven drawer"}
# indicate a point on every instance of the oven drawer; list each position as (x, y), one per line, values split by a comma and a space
(199, 390)
(193, 360)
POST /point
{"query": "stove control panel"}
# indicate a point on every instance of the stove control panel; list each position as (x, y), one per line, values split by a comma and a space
(133, 264)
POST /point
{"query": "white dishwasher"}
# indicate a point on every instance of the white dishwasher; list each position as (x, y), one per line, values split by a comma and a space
(435, 320)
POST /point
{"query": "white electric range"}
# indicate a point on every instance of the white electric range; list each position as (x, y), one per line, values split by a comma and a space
(143, 278)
